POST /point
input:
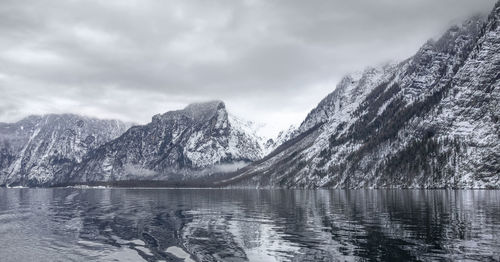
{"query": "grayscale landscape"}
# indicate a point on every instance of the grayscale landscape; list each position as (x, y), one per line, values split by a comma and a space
(250, 131)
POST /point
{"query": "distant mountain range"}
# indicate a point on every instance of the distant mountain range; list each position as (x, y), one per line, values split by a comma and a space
(201, 139)
(42, 150)
(431, 121)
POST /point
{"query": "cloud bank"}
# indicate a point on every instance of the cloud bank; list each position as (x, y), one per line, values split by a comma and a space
(270, 61)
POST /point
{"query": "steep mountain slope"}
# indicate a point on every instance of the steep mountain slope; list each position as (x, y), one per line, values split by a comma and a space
(39, 150)
(281, 138)
(201, 138)
(430, 121)
(253, 131)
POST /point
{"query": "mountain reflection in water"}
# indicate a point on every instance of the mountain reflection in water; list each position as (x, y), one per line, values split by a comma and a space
(67, 224)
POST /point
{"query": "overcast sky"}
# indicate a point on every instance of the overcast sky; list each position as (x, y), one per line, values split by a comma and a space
(270, 61)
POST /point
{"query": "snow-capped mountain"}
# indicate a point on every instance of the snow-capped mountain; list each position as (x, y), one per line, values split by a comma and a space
(40, 150)
(429, 121)
(270, 144)
(199, 139)
(252, 130)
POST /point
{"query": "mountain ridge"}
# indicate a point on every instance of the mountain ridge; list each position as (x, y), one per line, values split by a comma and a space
(390, 129)
(430, 121)
(199, 139)
(38, 150)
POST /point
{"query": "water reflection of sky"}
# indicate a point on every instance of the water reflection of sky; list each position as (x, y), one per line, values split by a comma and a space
(242, 225)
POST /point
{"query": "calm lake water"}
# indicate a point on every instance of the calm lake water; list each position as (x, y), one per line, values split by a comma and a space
(248, 225)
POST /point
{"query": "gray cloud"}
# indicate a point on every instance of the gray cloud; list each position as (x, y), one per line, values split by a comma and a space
(271, 61)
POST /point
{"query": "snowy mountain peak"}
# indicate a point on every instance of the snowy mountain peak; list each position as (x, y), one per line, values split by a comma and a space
(197, 112)
(199, 139)
(450, 40)
(346, 96)
(39, 150)
(205, 110)
(283, 136)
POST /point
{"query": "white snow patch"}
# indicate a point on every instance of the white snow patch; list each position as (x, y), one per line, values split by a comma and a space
(180, 253)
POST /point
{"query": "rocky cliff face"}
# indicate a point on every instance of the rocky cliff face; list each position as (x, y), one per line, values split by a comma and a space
(270, 144)
(40, 150)
(429, 121)
(199, 139)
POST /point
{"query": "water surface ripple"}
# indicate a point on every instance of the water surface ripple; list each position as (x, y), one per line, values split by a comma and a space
(67, 224)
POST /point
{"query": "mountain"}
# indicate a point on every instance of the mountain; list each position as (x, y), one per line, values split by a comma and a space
(431, 121)
(199, 139)
(253, 131)
(270, 144)
(39, 150)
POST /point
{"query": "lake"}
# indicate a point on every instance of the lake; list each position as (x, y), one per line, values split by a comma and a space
(68, 224)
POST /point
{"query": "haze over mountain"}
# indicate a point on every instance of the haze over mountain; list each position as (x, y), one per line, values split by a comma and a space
(430, 121)
(201, 139)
